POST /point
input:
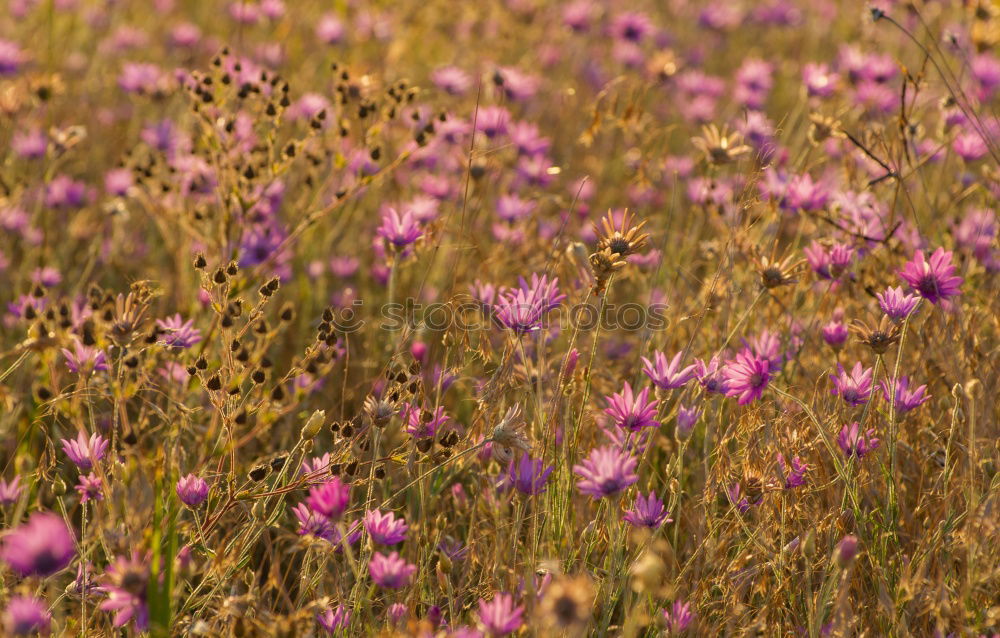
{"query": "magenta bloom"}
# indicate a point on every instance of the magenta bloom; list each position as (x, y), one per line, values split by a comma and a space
(499, 616)
(85, 452)
(10, 492)
(711, 375)
(90, 488)
(835, 334)
(192, 490)
(829, 263)
(667, 375)
(42, 546)
(896, 304)
(26, 616)
(330, 498)
(855, 388)
(678, 617)
(606, 472)
(177, 332)
(687, 418)
(795, 474)
(522, 309)
(391, 572)
(853, 442)
(312, 523)
(527, 475)
(648, 511)
(423, 424)
(746, 377)
(932, 279)
(632, 411)
(333, 619)
(399, 230)
(84, 359)
(385, 529)
(125, 586)
(905, 398)
(740, 502)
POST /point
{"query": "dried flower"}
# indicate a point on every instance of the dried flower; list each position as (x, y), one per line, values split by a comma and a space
(720, 146)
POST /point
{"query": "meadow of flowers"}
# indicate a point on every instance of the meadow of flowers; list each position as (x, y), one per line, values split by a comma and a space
(499, 318)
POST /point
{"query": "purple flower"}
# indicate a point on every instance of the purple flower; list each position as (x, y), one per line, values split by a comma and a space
(10, 492)
(390, 571)
(819, 80)
(527, 475)
(829, 263)
(632, 411)
(678, 617)
(11, 57)
(312, 523)
(847, 549)
(333, 619)
(399, 230)
(687, 418)
(125, 586)
(853, 442)
(905, 398)
(83, 451)
(932, 279)
(499, 616)
(330, 29)
(42, 546)
(492, 121)
(451, 79)
(178, 333)
(746, 377)
(740, 502)
(896, 304)
(711, 375)
(396, 613)
(316, 464)
(632, 26)
(26, 616)
(648, 511)
(421, 423)
(606, 472)
(855, 388)
(85, 359)
(90, 488)
(330, 498)
(192, 490)
(522, 309)
(667, 375)
(835, 334)
(385, 529)
(795, 476)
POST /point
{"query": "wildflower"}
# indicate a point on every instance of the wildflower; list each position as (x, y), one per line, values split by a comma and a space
(855, 388)
(312, 523)
(396, 613)
(452, 80)
(648, 511)
(385, 529)
(399, 230)
(330, 498)
(896, 304)
(423, 424)
(527, 475)
(10, 492)
(794, 475)
(904, 398)
(880, 338)
(853, 442)
(85, 452)
(125, 586)
(746, 377)
(829, 264)
(847, 550)
(334, 619)
(819, 80)
(42, 546)
(26, 616)
(315, 464)
(932, 279)
(623, 238)
(632, 26)
(603, 264)
(499, 616)
(567, 605)
(390, 571)
(178, 333)
(606, 472)
(678, 617)
(667, 376)
(743, 497)
(835, 333)
(192, 490)
(85, 359)
(90, 488)
(507, 435)
(632, 411)
(775, 273)
(522, 309)
(822, 128)
(711, 375)
(720, 146)
(687, 418)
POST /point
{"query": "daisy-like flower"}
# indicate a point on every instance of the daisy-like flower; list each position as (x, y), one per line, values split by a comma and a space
(632, 411)
(500, 617)
(85, 452)
(178, 333)
(26, 616)
(667, 375)
(43, 546)
(836, 332)
(10, 492)
(192, 490)
(880, 337)
(399, 230)
(622, 238)
(390, 571)
(125, 586)
(794, 474)
(829, 263)
(896, 304)
(711, 375)
(854, 442)
(313, 523)
(522, 309)
(332, 620)
(648, 511)
(906, 399)
(330, 498)
(90, 488)
(747, 376)
(421, 423)
(855, 388)
(678, 617)
(84, 359)
(606, 472)
(777, 272)
(720, 146)
(385, 529)
(933, 279)
(527, 475)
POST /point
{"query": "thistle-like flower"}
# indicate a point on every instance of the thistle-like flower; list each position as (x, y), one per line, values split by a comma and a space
(667, 375)
(896, 304)
(623, 238)
(678, 617)
(933, 279)
(854, 442)
(632, 411)
(720, 146)
(648, 511)
(499, 616)
(606, 472)
(385, 529)
(879, 338)
(854, 387)
(905, 398)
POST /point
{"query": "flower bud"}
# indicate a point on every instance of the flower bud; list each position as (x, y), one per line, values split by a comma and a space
(313, 425)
